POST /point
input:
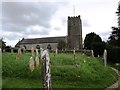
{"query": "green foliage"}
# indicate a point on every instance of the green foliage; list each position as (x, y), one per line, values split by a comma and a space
(61, 45)
(114, 38)
(91, 38)
(94, 42)
(83, 72)
(49, 46)
(8, 49)
(113, 54)
(98, 48)
(2, 44)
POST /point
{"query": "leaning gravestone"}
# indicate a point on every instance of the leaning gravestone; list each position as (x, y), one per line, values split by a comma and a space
(105, 57)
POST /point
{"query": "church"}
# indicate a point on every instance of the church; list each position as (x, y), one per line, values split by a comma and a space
(73, 38)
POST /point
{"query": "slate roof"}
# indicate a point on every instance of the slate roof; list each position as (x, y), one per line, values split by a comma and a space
(43, 40)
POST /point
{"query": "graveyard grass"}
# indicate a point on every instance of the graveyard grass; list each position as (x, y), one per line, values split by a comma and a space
(83, 72)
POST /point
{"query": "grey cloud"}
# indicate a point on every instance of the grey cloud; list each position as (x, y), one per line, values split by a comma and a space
(37, 31)
(86, 23)
(12, 36)
(64, 21)
(57, 28)
(105, 35)
(17, 16)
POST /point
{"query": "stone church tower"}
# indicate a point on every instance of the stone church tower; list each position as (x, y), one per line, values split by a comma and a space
(74, 38)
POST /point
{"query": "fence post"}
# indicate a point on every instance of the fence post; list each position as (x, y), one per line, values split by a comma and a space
(46, 76)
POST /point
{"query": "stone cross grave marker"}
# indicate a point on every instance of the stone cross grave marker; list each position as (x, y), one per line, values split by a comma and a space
(105, 57)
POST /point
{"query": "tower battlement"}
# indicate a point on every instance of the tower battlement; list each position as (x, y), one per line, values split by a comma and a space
(71, 17)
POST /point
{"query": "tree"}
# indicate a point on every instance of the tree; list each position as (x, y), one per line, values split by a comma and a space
(49, 46)
(38, 46)
(114, 38)
(98, 48)
(61, 45)
(94, 42)
(90, 38)
(2, 44)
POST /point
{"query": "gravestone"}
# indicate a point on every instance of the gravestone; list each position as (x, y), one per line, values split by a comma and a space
(11, 50)
(41, 51)
(31, 64)
(84, 61)
(56, 50)
(24, 50)
(74, 53)
(98, 56)
(32, 51)
(92, 53)
(105, 57)
(37, 61)
(37, 52)
(0, 50)
(18, 53)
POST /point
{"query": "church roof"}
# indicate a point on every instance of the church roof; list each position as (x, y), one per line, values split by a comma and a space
(42, 40)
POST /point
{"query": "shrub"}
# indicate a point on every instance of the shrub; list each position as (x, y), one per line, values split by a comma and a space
(98, 48)
(113, 54)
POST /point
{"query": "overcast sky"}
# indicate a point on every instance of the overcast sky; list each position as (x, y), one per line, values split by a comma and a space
(48, 18)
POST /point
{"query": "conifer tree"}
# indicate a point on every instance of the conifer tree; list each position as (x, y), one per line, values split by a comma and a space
(114, 38)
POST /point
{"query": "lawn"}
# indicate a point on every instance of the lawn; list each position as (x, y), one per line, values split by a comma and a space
(83, 72)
